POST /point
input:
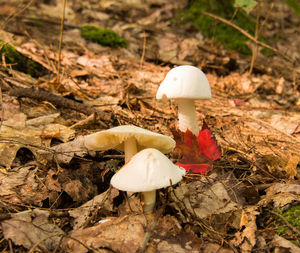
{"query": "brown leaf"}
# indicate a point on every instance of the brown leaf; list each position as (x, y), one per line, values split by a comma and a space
(246, 239)
(20, 186)
(123, 234)
(32, 228)
(291, 167)
(100, 204)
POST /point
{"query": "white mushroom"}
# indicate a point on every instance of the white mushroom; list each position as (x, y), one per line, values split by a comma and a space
(129, 139)
(146, 172)
(185, 84)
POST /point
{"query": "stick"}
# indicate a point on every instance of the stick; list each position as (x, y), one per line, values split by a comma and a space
(59, 101)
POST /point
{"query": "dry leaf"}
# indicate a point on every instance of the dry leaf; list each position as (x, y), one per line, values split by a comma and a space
(246, 239)
(291, 167)
(13, 139)
(58, 131)
(281, 194)
(32, 228)
(100, 204)
(21, 186)
(63, 153)
(123, 234)
(202, 200)
(280, 242)
(42, 121)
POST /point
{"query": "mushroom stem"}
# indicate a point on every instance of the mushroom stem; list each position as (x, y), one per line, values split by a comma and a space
(187, 118)
(130, 148)
(149, 199)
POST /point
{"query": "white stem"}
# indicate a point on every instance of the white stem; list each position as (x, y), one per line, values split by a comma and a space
(187, 118)
(149, 199)
(130, 148)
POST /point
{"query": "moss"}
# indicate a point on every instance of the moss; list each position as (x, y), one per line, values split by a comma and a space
(105, 37)
(293, 217)
(20, 62)
(294, 4)
(230, 37)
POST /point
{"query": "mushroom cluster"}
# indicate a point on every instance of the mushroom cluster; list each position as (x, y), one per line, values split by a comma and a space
(146, 167)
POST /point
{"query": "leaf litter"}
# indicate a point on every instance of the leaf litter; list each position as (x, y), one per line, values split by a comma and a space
(58, 198)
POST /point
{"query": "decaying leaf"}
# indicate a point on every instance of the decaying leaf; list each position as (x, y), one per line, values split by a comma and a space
(246, 239)
(281, 194)
(280, 242)
(63, 153)
(12, 139)
(32, 229)
(207, 198)
(100, 204)
(123, 234)
(196, 153)
(20, 185)
(291, 167)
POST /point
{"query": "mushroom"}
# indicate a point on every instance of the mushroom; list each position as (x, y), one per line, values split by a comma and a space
(146, 172)
(185, 84)
(129, 139)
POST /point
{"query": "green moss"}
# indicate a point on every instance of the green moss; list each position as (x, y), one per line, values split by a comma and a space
(294, 4)
(230, 37)
(20, 62)
(105, 37)
(293, 217)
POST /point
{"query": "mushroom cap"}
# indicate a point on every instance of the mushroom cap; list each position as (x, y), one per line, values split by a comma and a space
(147, 170)
(114, 139)
(184, 82)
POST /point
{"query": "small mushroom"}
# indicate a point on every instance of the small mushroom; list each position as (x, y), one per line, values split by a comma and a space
(185, 84)
(129, 139)
(146, 172)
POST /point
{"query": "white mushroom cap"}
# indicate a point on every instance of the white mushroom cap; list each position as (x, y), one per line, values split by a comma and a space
(148, 170)
(184, 82)
(114, 138)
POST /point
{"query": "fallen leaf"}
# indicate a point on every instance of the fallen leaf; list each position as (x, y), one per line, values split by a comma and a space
(101, 204)
(291, 167)
(245, 239)
(21, 186)
(33, 229)
(12, 139)
(203, 199)
(64, 152)
(208, 144)
(281, 194)
(280, 242)
(122, 234)
(196, 153)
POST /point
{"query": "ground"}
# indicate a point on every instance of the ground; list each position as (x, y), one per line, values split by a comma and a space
(55, 195)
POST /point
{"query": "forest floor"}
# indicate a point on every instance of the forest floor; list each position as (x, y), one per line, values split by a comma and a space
(55, 195)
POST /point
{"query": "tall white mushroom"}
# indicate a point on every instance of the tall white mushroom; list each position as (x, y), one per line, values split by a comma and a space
(185, 84)
(129, 139)
(146, 172)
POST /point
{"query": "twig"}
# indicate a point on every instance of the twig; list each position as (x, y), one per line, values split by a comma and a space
(249, 36)
(59, 101)
(60, 41)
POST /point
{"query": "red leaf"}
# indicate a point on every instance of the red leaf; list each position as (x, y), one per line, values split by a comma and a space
(208, 144)
(195, 168)
(196, 154)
